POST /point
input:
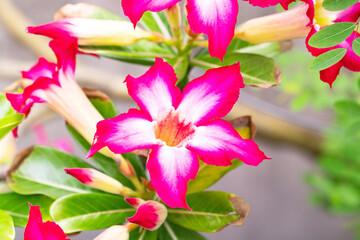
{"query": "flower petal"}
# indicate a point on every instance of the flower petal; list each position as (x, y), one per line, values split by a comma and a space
(170, 170)
(350, 14)
(211, 95)
(155, 91)
(149, 215)
(217, 143)
(216, 19)
(60, 29)
(124, 133)
(134, 9)
(43, 68)
(37, 230)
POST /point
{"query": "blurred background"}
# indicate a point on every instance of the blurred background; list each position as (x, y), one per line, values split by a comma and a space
(307, 190)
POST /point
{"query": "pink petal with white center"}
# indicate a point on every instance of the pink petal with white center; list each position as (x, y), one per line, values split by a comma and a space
(149, 215)
(350, 14)
(216, 19)
(43, 68)
(134, 9)
(217, 143)
(170, 170)
(124, 133)
(37, 230)
(155, 91)
(211, 95)
(60, 29)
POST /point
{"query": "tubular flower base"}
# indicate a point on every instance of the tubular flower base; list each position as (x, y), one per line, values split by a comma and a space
(94, 31)
(117, 232)
(150, 214)
(179, 127)
(55, 85)
(36, 229)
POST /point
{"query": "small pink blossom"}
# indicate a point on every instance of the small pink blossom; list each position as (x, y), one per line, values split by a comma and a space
(179, 127)
(36, 229)
(150, 214)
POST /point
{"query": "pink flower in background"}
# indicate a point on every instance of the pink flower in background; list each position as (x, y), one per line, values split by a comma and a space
(63, 143)
(179, 127)
(215, 18)
(36, 229)
(149, 214)
(55, 85)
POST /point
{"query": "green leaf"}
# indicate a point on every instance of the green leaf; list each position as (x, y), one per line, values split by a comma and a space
(7, 230)
(209, 175)
(327, 59)
(332, 35)
(211, 211)
(337, 5)
(143, 52)
(9, 118)
(180, 65)
(170, 231)
(155, 21)
(356, 46)
(41, 171)
(266, 76)
(17, 206)
(81, 212)
(348, 107)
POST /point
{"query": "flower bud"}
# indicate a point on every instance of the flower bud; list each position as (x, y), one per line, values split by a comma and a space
(95, 32)
(98, 180)
(149, 214)
(276, 27)
(7, 149)
(79, 10)
(118, 232)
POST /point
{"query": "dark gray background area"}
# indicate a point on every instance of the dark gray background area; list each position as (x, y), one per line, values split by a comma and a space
(279, 200)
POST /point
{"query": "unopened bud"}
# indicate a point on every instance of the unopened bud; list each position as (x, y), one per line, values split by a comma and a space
(290, 24)
(98, 180)
(118, 232)
(7, 149)
(173, 15)
(150, 214)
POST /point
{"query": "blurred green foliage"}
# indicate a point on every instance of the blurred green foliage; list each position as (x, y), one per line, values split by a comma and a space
(336, 183)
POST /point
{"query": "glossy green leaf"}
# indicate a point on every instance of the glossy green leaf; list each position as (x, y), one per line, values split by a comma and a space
(211, 211)
(356, 46)
(327, 59)
(7, 230)
(332, 35)
(208, 175)
(80, 212)
(17, 206)
(337, 5)
(143, 52)
(9, 118)
(266, 76)
(170, 231)
(41, 171)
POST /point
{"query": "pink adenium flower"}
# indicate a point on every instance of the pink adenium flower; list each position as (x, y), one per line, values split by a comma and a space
(216, 19)
(179, 127)
(55, 85)
(149, 214)
(36, 229)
